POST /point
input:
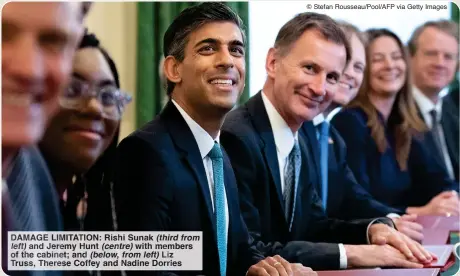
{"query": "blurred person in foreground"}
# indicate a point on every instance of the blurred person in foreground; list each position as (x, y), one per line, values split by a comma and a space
(38, 44)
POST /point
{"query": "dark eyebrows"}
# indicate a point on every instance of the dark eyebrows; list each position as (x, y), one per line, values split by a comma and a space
(78, 76)
(10, 25)
(55, 35)
(237, 42)
(335, 74)
(207, 41)
(105, 82)
(320, 68)
(214, 41)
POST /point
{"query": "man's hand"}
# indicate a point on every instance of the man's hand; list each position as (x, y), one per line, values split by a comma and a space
(360, 256)
(444, 204)
(381, 234)
(407, 225)
(278, 266)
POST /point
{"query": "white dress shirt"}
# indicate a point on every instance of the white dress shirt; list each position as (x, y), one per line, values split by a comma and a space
(426, 106)
(205, 144)
(284, 141)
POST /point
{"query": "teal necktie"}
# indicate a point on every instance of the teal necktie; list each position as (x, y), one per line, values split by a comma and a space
(219, 205)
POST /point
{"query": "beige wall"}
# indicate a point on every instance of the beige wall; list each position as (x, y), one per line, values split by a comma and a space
(115, 26)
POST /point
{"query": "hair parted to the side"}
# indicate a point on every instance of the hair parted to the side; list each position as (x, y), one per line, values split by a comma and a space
(350, 30)
(188, 21)
(447, 26)
(403, 119)
(297, 26)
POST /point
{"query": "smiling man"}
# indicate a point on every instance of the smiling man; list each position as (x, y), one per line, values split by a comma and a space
(38, 44)
(173, 173)
(342, 196)
(433, 50)
(275, 167)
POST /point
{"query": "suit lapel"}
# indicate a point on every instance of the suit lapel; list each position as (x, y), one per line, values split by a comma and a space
(185, 141)
(450, 129)
(429, 142)
(302, 182)
(232, 197)
(262, 125)
(313, 148)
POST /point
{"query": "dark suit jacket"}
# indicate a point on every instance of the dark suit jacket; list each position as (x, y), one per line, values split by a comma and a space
(450, 126)
(346, 198)
(162, 186)
(29, 170)
(248, 138)
(453, 95)
(380, 174)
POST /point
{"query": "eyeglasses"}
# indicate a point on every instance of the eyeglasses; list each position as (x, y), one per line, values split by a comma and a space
(112, 99)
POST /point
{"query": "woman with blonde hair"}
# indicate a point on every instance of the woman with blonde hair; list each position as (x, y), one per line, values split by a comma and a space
(381, 129)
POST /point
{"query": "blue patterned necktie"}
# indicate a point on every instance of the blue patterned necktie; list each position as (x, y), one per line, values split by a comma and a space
(291, 179)
(324, 147)
(21, 191)
(219, 205)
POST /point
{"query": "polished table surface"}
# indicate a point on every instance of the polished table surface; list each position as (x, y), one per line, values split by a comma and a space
(382, 272)
(454, 270)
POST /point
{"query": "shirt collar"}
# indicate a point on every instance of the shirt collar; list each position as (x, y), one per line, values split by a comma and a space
(284, 138)
(318, 119)
(425, 104)
(321, 118)
(334, 112)
(203, 139)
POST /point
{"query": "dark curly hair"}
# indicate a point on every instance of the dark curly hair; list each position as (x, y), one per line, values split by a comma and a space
(98, 181)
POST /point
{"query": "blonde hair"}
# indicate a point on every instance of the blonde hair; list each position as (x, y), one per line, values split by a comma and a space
(350, 30)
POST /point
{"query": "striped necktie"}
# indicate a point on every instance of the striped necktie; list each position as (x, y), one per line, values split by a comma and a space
(291, 179)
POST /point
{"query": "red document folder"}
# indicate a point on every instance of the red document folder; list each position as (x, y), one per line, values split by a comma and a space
(435, 236)
(445, 256)
(382, 272)
(440, 222)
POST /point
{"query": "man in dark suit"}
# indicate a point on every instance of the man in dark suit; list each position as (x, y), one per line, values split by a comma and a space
(275, 169)
(173, 173)
(38, 43)
(342, 196)
(434, 58)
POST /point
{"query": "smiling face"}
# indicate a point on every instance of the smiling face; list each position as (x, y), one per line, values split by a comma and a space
(387, 67)
(77, 138)
(305, 76)
(38, 43)
(212, 75)
(352, 77)
(435, 60)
